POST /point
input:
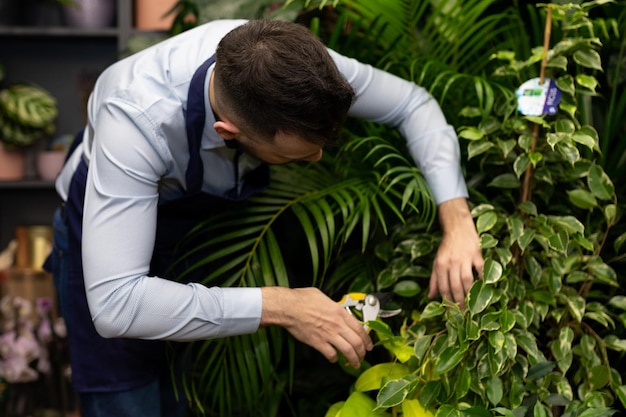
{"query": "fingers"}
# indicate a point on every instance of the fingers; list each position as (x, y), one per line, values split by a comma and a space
(452, 280)
(313, 318)
(347, 337)
(353, 345)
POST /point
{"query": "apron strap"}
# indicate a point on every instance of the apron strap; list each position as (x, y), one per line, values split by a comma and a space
(195, 119)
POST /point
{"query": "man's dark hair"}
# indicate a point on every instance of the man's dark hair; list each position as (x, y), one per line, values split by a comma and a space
(276, 76)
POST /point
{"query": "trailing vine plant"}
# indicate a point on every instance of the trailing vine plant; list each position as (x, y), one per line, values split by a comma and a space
(542, 328)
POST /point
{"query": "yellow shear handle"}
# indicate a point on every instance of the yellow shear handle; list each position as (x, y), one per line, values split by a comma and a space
(352, 299)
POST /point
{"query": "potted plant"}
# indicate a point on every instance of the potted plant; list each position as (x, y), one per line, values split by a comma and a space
(27, 115)
(50, 160)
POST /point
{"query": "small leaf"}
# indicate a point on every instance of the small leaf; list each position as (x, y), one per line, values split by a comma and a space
(433, 309)
(569, 152)
(621, 393)
(558, 241)
(487, 241)
(568, 223)
(490, 321)
(535, 158)
(373, 377)
(524, 141)
(486, 221)
(394, 392)
(599, 183)
(576, 305)
(566, 84)
(588, 136)
(478, 147)
(447, 410)
(516, 226)
(421, 345)
(526, 238)
(358, 404)
(520, 164)
(507, 320)
(471, 133)
(540, 370)
(619, 241)
(480, 209)
(472, 330)
(528, 207)
(618, 301)
(506, 146)
(589, 58)
(496, 340)
(463, 382)
(505, 181)
(413, 408)
(406, 288)
(479, 297)
(587, 81)
(494, 390)
(610, 213)
(557, 61)
(613, 342)
(603, 273)
(448, 359)
(582, 199)
(492, 271)
(597, 412)
(599, 376)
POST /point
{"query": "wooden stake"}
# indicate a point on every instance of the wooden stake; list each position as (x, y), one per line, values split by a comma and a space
(526, 188)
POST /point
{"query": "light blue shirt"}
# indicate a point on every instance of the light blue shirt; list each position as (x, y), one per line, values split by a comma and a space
(136, 148)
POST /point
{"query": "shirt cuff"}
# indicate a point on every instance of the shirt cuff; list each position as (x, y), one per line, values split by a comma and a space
(446, 185)
(242, 310)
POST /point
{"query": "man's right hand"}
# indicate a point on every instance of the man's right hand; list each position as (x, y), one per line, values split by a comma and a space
(313, 318)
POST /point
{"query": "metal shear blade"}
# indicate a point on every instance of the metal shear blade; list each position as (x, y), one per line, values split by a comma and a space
(369, 305)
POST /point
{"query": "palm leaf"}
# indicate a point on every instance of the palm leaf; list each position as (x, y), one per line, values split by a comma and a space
(458, 34)
(354, 191)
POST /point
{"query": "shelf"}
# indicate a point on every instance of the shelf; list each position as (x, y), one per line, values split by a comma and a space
(33, 184)
(70, 32)
(58, 31)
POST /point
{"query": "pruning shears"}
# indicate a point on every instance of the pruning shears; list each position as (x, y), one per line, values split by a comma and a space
(370, 305)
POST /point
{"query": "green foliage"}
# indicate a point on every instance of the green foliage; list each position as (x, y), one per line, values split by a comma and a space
(544, 327)
(27, 114)
(328, 204)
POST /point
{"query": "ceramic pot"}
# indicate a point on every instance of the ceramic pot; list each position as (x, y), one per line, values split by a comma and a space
(49, 164)
(149, 14)
(90, 13)
(12, 164)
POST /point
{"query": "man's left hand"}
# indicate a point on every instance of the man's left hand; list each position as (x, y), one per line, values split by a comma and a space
(459, 253)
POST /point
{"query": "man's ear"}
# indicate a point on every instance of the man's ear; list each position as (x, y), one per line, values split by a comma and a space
(226, 129)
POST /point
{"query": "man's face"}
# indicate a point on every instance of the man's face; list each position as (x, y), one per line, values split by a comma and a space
(284, 149)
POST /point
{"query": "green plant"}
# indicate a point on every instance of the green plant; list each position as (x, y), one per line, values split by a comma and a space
(337, 209)
(543, 328)
(27, 114)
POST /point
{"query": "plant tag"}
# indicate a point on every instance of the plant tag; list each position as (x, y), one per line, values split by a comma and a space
(534, 99)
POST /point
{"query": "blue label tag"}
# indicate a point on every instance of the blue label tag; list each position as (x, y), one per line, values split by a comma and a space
(534, 99)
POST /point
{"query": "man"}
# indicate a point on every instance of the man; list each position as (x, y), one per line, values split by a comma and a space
(175, 130)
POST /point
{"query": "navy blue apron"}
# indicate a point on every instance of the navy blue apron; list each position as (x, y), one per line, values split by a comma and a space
(103, 365)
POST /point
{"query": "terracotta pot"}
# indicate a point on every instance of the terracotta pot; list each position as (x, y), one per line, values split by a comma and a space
(12, 164)
(49, 164)
(149, 14)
